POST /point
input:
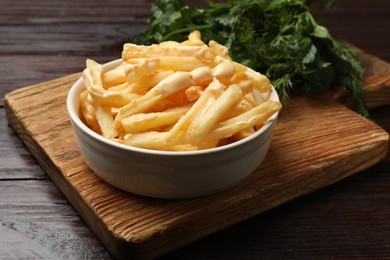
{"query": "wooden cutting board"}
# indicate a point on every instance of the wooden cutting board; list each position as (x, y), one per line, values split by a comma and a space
(316, 143)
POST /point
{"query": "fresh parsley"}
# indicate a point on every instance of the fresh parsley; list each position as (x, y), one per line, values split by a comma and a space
(279, 38)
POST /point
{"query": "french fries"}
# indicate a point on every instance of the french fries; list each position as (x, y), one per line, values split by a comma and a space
(176, 97)
(145, 121)
(203, 124)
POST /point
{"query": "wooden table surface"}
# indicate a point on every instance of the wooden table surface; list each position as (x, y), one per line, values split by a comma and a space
(42, 40)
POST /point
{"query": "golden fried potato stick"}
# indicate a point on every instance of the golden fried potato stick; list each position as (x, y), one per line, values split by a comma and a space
(170, 63)
(202, 75)
(195, 36)
(121, 134)
(124, 87)
(149, 140)
(194, 39)
(154, 140)
(92, 76)
(219, 50)
(104, 118)
(146, 121)
(131, 51)
(201, 125)
(169, 44)
(224, 72)
(207, 144)
(179, 63)
(113, 78)
(87, 112)
(255, 116)
(244, 133)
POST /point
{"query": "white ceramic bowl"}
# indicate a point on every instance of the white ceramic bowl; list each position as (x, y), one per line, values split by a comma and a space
(168, 174)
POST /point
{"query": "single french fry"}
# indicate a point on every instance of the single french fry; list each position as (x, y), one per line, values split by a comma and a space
(202, 75)
(113, 78)
(96, 72)
(195, 36)
(207, 144)
(142, 122)
(257, 115)
(219, 50)
(83, 100)
(181, 147)
(201, 52)
(149, 80)
(179, 63)
(103, 117)
(194, 39)
(166, 87)
(149, 140)
(117, 140)
(167, 45)
(121, 133)
(154, 140)
(175, 63)
(92, 76)
(87, 113)
(224, 72)
(105, 120)
(124, 87)
(203, 124)
(244, 133)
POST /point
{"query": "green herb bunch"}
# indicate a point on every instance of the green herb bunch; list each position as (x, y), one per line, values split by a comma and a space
(279, 38)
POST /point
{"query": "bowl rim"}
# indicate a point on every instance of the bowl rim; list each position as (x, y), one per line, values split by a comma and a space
(73, 114)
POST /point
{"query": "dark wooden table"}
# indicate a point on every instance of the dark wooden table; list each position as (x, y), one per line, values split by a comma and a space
(42, 40)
